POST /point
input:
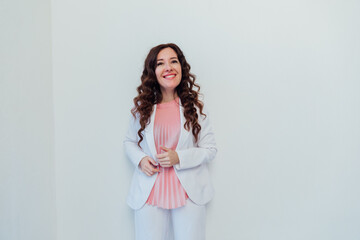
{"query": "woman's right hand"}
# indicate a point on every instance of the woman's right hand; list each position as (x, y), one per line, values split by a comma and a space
(148, 166)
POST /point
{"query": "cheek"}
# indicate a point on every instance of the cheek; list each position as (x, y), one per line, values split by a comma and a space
(158, 73)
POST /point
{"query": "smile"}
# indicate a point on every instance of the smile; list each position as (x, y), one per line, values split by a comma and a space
(170, 76)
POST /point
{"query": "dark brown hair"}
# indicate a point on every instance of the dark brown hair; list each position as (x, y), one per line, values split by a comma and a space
(149, 92)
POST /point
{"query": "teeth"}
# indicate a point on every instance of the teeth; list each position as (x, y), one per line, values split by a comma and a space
(169, 76)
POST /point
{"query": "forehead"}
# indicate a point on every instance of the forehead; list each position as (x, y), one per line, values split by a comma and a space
(166, 53)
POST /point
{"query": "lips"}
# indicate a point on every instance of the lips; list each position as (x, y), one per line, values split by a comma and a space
(169, 76)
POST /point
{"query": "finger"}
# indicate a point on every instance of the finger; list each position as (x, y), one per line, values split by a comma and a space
(161, 155)
(152, 170)
(146, 172)
(166, 165)
(153, 162)
(165, 148)
(164, 159)
(164, 162)
(155, 170)
(149, 169)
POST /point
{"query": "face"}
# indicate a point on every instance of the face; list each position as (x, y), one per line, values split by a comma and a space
(168, 70)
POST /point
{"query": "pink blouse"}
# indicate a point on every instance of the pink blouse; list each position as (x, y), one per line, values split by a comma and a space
(167, 191)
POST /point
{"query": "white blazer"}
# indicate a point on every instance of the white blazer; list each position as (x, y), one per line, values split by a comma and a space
(192, 170)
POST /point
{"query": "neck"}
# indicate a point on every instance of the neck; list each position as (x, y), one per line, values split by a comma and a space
(168, 96)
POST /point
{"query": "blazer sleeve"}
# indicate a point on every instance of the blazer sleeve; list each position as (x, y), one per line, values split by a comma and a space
(132, 150)
(203, 152)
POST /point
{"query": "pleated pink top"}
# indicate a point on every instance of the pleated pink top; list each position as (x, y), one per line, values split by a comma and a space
(167, 192)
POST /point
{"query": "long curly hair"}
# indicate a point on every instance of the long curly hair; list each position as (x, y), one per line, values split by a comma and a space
(149, 92)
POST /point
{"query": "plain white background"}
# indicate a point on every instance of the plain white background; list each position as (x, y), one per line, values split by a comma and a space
(280, 78)
(27, 166)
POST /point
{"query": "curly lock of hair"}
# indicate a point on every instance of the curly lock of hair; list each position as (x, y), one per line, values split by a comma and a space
(149, 92)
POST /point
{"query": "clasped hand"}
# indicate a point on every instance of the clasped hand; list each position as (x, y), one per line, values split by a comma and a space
(166, 159)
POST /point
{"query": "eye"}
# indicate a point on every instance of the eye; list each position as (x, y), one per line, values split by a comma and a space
(159, 64)
(174, 61)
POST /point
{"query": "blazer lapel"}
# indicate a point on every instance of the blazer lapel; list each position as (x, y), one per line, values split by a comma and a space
(149, 134)
(183, 132)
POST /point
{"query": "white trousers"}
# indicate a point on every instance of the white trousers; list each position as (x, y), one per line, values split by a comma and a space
(183, 223)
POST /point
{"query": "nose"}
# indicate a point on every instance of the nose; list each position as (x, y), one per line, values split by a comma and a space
(168, 67)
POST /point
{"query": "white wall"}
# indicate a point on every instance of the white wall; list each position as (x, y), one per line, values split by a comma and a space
(27, 181)
(281, 80)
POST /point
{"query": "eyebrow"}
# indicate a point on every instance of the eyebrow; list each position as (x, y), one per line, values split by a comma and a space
(163, 59)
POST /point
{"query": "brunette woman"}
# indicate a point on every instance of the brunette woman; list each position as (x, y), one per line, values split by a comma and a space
(170, 142)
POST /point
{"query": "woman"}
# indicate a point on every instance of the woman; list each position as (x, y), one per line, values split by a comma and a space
(170, 142)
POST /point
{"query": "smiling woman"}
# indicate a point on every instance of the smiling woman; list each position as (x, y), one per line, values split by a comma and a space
(168, 73)
(170, 142)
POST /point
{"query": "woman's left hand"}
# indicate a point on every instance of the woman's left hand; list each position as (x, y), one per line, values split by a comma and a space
(168, 158)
